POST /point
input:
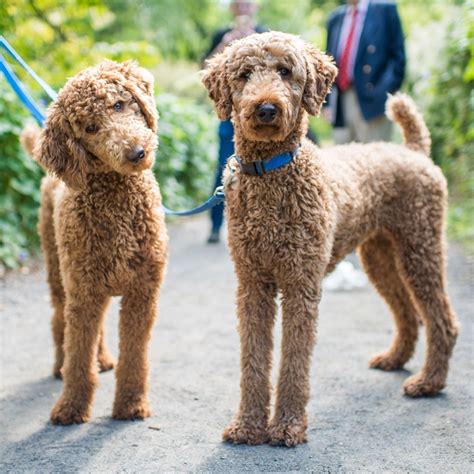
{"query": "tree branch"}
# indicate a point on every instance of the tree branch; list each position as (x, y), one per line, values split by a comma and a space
(42, 15)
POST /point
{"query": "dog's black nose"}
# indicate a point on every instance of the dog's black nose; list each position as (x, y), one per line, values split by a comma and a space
(137, 154)
(267, 113)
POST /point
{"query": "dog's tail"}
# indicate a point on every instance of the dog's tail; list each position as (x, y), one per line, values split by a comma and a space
(401, 109)
(29, 138)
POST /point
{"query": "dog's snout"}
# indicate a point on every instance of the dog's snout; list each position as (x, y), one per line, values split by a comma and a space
(267, 113)
(137, 154)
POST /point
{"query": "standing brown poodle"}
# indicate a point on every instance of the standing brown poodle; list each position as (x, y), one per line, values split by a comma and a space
(290, 226)
(102, 232)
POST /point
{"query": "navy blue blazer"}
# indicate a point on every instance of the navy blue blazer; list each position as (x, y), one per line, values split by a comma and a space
(380, 61)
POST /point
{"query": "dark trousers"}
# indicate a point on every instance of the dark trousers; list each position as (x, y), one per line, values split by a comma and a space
(226, 149)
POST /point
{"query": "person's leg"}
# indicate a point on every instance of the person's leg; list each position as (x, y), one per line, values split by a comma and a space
(378, 130)
(357, 122)
(351, 118)
(226, 149)
(341, 135)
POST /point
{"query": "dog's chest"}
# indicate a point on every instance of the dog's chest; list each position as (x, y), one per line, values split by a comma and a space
(275, 225)
(117, 236)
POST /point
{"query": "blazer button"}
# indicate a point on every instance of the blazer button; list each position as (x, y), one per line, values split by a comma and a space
(367, 69)
(371, 49)
(369, 86)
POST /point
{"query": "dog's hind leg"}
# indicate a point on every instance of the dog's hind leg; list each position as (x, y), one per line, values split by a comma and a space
(422, 263)
(104, 358)
(256, 310)
(50, 251)
(56, 289)
(378, 258)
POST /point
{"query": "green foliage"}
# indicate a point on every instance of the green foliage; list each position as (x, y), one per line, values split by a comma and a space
(450, 118)
(187, 152)
(460, 222)
(450, 114)
(19, 185)
(58, 38)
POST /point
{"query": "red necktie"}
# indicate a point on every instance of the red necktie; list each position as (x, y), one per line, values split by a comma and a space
(343, 79)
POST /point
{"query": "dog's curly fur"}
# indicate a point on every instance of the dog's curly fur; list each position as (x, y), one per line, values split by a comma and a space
(290, 227)
(102, 232)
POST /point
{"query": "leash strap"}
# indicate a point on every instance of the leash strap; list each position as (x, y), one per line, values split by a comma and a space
(261, 167)
(217, 198)
(21, 92)
(13, 54)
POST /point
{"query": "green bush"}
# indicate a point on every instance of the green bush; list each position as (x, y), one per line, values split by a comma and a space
(184, 168)
(19, 190)
(450, 118)
(186, 153)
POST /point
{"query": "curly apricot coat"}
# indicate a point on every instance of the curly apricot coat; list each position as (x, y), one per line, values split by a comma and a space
(102, 231)
(290, 227)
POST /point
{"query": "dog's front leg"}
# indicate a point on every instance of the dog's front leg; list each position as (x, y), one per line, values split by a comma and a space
(84, 312)
(256, 309)
(299, 305)
(137, 315)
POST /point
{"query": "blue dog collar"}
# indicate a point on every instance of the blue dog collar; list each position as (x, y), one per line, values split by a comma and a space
(261, 167)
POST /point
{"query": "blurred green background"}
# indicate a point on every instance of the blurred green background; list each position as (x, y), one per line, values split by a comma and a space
(170, 37)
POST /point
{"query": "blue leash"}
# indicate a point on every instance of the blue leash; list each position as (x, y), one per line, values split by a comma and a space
(8, 48)
(216, 198)
(21, 92)
(37, 112)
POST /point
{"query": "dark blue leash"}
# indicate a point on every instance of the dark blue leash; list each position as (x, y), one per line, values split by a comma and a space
(8, 48)
(21, 92)
(216, 198)
(37, 112)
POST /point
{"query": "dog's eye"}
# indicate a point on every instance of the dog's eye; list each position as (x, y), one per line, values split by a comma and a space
(92, 128)
(245, 75)
(118, 106)
(283, 72)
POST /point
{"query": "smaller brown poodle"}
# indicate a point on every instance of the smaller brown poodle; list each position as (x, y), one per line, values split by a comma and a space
(290, 226)
(102, 232)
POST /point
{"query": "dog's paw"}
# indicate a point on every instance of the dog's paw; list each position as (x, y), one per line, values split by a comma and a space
(106, 362)
(68, 412)
(287, 433)
(419, 385)
(245, 432)
(386, 361)
(137, 410)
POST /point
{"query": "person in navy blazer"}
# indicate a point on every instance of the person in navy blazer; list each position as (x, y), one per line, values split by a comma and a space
(366, 39)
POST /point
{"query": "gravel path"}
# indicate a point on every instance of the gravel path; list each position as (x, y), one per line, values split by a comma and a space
(359, 420)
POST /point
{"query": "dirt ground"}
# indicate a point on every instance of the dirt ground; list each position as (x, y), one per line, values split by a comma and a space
(359, 420)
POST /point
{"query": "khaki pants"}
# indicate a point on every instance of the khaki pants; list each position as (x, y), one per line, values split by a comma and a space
(357, 129)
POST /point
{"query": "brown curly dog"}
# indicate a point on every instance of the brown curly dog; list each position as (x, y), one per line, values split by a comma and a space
(289, 227)
(102, 231)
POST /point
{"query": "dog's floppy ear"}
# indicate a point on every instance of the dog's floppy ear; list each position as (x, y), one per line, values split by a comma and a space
(139, 82)
(320, 75)
(217, 84)
(59, 152)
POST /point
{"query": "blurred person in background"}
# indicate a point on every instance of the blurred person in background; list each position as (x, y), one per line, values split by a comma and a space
(243, 24)
(366, 39)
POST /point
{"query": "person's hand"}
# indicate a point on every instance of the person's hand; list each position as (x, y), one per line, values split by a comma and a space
(327, 114)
